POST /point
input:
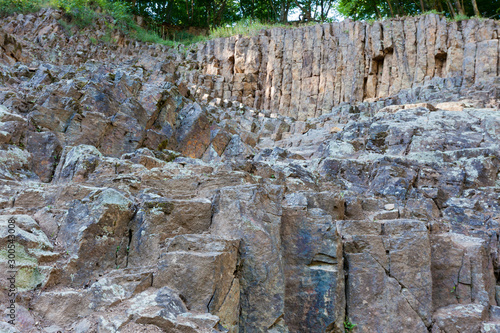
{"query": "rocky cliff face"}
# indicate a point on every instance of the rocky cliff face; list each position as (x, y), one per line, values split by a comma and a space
(360, 192)
(303, 73)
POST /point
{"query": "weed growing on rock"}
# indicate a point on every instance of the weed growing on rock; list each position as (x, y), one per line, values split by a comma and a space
(458, 18)
(348, 325)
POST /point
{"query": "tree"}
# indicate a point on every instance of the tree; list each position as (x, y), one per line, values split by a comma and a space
(369, 9)
(314, 10)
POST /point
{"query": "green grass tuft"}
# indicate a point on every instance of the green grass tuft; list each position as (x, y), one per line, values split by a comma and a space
(458, 18)
(245, 27)
(248, 27)
(433, 11)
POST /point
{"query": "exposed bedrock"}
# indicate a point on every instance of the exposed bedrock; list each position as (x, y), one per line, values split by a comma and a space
(304, 72)
(355, 189)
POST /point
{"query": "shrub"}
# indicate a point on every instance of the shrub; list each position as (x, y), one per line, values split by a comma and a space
(85, 12)
(8, 7)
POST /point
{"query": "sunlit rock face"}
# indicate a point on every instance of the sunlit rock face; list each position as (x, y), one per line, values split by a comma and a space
(303, 73)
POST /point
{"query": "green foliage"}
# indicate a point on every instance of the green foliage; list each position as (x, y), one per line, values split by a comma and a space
(348, 325)
(246, 27)
(452, 10)
(107, 36)
(85, 12)
(270, 11)
(68, 27)
(8, 7)
(146, 36)
(82, 14)
(458, 18)
(194, 13)
(213, 14)
(185, 37)
(433, 11)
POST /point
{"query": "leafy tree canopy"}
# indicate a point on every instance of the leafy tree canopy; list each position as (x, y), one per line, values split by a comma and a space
(215, 13)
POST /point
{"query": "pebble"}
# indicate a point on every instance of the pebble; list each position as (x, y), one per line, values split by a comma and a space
(389, 207)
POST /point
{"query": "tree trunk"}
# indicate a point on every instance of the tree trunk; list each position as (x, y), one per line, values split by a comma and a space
(377, 11)
(218, 17)
(390, 7)
(459, 8)
(422, 5)
(306, 11)
(440, 7)
(275, 16)
(450, 6)
(401, 9)
(476, 10)
(282, 13)
(322, 15)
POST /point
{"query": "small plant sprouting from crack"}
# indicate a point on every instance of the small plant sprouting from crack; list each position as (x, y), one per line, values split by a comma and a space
(116, 256)
(348, 325)
(454, 291)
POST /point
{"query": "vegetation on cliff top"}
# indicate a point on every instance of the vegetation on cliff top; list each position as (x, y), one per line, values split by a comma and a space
(217, 13)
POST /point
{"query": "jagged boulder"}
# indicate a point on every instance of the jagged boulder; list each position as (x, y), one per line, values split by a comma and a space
(96, 234)
(389, 267)
(253, 214)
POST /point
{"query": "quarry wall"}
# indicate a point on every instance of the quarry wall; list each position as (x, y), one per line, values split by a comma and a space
(304, 72)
